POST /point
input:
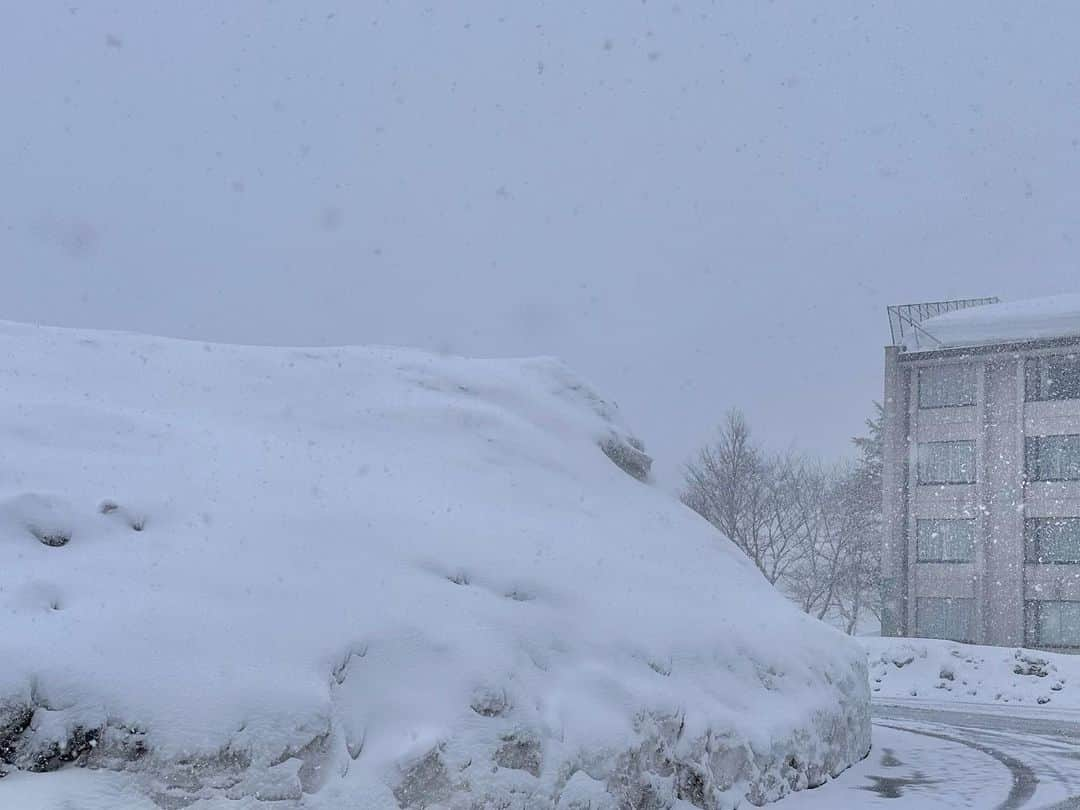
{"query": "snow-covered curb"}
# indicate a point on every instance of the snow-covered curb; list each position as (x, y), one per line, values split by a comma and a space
(381, 578)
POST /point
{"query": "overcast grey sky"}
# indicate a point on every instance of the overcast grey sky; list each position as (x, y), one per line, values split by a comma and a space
(697, 205)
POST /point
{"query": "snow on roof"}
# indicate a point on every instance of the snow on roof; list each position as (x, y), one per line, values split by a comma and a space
(1007, 322)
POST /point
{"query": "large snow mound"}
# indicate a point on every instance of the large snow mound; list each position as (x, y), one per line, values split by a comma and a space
(376, 578)
(1012, 321)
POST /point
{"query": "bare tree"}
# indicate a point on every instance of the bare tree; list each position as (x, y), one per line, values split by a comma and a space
(806, 516)
(732, 485)
(861, 492)
(721, 481)
(812, 530)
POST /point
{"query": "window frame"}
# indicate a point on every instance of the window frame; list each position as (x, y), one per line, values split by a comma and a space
(1033, 540)
(1037, 377)
(1033, 616)
(966, 368)
(919, 463)
(1032, 453)
(920, 523)
(946, 602)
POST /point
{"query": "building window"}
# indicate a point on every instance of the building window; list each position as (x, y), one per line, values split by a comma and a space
(950, 618)
(1052, 458)
(1055, 376)
(1052, 540)
(947, 462)
(946, 386)
(1052, 624)
(945, 540)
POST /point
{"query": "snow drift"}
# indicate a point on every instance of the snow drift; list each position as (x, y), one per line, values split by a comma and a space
(370, 577)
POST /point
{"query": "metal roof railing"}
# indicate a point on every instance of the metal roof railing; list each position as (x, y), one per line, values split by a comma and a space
(905, 320)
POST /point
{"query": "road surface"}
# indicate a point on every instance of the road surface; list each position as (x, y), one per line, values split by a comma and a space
(979, 756)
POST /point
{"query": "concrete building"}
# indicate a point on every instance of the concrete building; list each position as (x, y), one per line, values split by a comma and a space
(982, 472)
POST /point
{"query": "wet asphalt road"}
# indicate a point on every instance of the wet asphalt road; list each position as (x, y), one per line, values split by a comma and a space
(1040, 750)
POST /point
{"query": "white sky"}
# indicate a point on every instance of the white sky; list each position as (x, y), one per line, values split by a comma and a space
(697, 205)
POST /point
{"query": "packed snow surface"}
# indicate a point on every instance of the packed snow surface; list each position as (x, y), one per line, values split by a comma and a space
(1011, 321)
(377, 578)
(947, 671)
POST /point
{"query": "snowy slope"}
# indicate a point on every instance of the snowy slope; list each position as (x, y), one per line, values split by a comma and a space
(1052, 316)
(373, 577)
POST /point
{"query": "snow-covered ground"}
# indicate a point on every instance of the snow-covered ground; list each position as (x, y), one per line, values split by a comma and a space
(963, 726)
(375, 578)
(947, 672)
(910, 771)
(980, 757)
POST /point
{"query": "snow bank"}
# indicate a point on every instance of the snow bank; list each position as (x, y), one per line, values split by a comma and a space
(928, 669)
(378, 578)
(1053, 316)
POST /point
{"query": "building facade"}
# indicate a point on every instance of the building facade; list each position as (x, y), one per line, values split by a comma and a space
(982, 478)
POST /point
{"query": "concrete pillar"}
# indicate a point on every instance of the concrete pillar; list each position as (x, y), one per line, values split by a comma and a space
(1002, 496)
(895, 575)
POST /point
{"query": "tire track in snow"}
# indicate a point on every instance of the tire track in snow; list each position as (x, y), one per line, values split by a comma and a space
(1024, 779)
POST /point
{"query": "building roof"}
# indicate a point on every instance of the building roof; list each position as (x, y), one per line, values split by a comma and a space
(1008, 322)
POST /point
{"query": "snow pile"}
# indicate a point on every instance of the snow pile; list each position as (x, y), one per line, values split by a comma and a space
(370, 577)
(1031, 319)
(929, 669)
